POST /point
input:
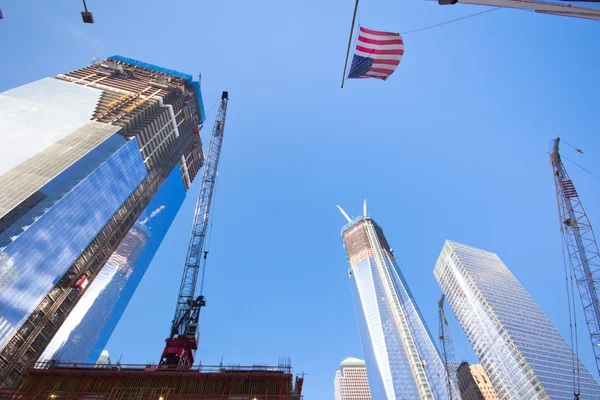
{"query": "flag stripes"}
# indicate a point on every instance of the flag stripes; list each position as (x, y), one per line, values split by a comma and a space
(377, 54)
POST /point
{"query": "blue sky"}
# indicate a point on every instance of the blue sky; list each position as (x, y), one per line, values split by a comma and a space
(453, 146)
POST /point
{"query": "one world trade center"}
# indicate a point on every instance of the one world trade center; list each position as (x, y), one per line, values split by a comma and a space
(402, 359)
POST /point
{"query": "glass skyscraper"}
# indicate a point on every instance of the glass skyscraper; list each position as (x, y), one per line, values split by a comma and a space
(401, 357)
(520, 350)
(94, 165)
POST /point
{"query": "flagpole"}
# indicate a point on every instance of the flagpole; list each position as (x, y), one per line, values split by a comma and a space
(350, 41)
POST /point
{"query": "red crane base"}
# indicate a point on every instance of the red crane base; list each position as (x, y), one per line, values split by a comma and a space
(179, 350)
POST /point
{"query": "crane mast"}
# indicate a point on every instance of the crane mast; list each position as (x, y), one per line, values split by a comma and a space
(446, 342)
(183, 340)
(581, 246)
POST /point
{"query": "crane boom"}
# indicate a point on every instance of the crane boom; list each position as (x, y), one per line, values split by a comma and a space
(183, 340)
(542, 7)
(581, 247)
(446, 342)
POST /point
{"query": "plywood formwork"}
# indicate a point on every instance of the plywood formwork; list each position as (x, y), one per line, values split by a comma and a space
(129, 382)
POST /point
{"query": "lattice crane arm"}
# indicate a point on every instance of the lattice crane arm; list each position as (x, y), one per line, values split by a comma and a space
(580, 244)
(183, 340)
(446, 344)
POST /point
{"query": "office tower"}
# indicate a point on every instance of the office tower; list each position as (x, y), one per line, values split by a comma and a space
(401, 357)
(474, 384)
(521, 352)
(351, 381)
(94, 165)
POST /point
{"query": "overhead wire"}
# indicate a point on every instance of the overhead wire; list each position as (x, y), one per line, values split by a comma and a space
(574, 163)
(211, 109)
(568, 144)
(456, 332)
(439, 24)
(450, 21)
(462, 344)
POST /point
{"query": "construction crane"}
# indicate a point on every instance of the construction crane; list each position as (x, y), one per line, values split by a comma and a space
(182, 343)
(580, 244)
(542, 7)
(446, 343)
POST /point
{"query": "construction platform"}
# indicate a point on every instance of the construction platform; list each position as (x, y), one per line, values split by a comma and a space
(157, 382)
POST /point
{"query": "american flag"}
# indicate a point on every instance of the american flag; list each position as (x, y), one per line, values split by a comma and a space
(377, 54)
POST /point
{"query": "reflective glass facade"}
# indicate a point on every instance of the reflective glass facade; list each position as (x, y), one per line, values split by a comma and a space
(84, 334)
(94, 165)
(52, 192)
(521, 351)
(63, 224)
(45, 127)
(401, 357)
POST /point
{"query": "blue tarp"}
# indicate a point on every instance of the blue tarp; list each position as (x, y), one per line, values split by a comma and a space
(152, 67)
(196, 85)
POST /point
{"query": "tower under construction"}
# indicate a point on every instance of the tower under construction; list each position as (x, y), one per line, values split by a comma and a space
(158, 382)
(402, 359)
(94, 166)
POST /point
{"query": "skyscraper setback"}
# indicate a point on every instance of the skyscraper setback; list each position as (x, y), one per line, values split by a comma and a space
(94, 166)
(520, 350)
(351, 381)
(401, 357)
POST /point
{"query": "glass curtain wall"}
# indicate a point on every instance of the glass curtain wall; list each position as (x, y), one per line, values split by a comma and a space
(402, 359)
(86, 331)
(520, 350)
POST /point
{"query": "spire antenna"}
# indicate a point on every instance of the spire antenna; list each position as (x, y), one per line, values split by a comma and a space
(344, 213)
(365, 208)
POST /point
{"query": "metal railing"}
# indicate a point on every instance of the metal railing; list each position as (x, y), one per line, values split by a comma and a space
(144, 395)
(156, 367)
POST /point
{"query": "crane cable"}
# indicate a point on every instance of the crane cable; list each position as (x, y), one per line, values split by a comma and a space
(570, 145)
(586, 170)
(212, 218)
(211, 109)
(450, 21)
(211, 215)
(574, 163)
(572, 323)
(438, 24)
(209, 235)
